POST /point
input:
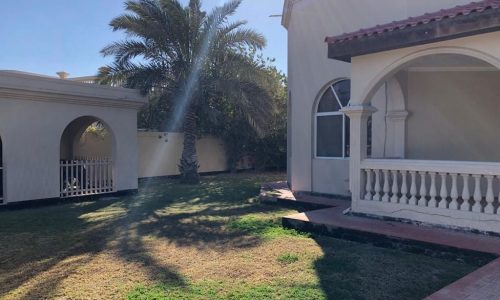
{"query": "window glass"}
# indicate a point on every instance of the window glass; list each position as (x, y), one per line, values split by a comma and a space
(329, 136)
(343, 91)
(328, 102)
(332, 126)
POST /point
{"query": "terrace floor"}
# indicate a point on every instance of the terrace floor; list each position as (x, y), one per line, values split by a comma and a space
(481, 284)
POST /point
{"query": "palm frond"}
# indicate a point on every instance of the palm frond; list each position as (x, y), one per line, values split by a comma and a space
(220, 14)
(241, 38)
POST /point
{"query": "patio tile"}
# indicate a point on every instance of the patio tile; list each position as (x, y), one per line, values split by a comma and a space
(483, 284)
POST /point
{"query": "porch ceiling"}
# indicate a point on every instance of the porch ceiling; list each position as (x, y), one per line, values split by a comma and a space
(465, 20)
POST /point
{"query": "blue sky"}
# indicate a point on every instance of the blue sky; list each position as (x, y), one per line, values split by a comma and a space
(54, 35)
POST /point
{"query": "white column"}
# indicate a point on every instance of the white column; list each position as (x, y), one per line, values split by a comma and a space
(396, 135)
(358, 116)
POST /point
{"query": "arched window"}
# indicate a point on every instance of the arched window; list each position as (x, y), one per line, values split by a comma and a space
(332, 126)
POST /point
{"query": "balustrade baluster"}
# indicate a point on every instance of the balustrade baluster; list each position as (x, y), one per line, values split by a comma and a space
(477, 194)
(443, 194)
(433, 191)
(404, 189)
(395, 187)
(465, 194)
(413, 188)
(376, 197)
(423, 190)
(454, 192)
(498, 209)
(489, 209)
(385, 196)
(368, 195)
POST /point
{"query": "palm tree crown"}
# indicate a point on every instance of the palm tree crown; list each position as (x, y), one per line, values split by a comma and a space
(186, 59)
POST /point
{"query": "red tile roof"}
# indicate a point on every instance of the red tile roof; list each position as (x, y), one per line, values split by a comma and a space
(461, 10)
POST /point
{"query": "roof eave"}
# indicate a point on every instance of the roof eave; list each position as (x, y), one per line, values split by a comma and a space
(446, 29)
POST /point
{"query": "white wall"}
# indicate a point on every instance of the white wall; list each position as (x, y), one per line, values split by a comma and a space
(34, 111)
(454, 116)
(31, 133)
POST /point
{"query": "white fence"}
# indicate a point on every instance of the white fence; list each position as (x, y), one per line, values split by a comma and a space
(90, 176)
(1, 184)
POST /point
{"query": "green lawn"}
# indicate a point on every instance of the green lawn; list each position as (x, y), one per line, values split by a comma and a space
(213, 241)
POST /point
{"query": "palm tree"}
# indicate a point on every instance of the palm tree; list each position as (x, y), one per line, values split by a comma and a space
(184, 58)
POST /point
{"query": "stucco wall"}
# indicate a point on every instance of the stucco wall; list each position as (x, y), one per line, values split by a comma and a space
(31, 133)
(309, 70)
(159, 154)
(454, 116)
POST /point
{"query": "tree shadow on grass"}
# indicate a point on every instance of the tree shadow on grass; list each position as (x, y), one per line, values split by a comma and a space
(354, 270)
(203, 229)
(52, 242)
(55, 241)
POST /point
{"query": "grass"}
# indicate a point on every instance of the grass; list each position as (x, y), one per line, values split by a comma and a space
(288, 258)
(212, 241)
(264, 226)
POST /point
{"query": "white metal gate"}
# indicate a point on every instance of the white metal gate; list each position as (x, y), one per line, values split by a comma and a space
(90, 176)
(1, 183)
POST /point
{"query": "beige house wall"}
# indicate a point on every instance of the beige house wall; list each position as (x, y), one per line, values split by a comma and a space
(310, 70)
(32, 151)
(34, 111)
(454, 116)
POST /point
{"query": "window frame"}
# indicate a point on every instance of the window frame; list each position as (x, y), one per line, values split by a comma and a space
(331, 113)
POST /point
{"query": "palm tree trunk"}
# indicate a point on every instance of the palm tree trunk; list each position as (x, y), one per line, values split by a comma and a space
(189, 161)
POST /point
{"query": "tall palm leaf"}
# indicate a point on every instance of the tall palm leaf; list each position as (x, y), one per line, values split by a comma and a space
(186, 57)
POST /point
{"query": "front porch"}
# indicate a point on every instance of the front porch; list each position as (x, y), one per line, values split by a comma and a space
(423, 116)
(424, 143)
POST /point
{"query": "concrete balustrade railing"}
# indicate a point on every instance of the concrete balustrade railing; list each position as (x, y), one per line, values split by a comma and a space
(435, 184)
(448, 189)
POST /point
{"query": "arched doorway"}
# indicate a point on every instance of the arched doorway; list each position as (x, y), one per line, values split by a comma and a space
(86, 158)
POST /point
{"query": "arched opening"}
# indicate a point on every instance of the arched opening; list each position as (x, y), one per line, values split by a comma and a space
(1, 173)
(449, 129)
(86, 158)
(437, 107)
